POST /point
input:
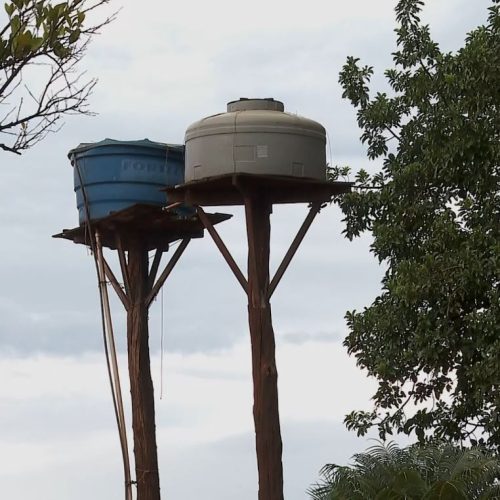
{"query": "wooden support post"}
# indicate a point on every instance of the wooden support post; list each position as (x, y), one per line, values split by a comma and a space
(141, 385)
(265, 375)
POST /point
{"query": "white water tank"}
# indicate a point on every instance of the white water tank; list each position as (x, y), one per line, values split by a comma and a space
(255, 136)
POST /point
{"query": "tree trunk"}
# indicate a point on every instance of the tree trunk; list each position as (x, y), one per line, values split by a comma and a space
(141, 385)
(265, 375)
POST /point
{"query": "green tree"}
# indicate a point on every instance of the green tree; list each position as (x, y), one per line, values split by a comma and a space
(41, 44)
(430, 472)
(432, 336)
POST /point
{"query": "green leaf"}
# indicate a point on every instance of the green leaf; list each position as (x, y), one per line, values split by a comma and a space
(15, 25)
(74, 36)
(9, 8)
(37, 43)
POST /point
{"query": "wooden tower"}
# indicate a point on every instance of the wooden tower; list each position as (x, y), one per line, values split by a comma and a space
(133, 233)
(258, 193)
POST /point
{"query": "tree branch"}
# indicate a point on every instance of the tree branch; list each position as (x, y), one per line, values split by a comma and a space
(10, 150)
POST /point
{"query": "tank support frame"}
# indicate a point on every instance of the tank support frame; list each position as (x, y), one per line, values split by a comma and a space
(133, 233)
(259, 289)
(139, 290)
(258, 194)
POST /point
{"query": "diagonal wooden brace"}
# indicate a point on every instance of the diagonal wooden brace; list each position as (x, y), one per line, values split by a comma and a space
(166, 272)
(154, 268)
(315, 208)
(123, 263)
(116, 285)
(223, 249)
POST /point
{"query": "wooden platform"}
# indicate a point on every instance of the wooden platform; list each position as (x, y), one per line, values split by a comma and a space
(231, 189)
(157, 226)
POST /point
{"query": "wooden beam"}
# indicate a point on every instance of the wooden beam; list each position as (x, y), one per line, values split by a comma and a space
(168, 269)
(116, 285)
(315, 208)
(154, 268)
(123, 263)
(223, 249)
(226, 189)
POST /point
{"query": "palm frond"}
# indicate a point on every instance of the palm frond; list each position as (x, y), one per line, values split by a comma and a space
(432, 472)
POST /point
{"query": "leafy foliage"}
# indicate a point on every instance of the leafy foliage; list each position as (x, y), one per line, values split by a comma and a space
(41, 44)
(432, 337)
(429, 472)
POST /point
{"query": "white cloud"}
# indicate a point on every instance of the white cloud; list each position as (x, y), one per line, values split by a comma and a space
(162, 66)
(53, 426)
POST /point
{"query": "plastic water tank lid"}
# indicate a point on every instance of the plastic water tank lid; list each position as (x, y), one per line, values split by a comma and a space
(254, 104)
(144, 143)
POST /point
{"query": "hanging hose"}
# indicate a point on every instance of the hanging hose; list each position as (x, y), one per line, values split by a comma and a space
(108, 338)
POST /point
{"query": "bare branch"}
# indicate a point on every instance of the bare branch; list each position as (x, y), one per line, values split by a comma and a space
(11, 150)
(51, 47)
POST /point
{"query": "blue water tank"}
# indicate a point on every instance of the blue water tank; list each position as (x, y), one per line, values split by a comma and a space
(118, 174)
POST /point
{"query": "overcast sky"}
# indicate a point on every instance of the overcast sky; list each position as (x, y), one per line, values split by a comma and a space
(162, 66)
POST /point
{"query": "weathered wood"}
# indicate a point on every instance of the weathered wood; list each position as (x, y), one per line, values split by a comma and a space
(141, 385)
(265, 374)
(223, 249)
(228, 189)
(315, 208)
(154, 268)
(123, 262)
(158, 226)
(168, 269)
(116, 285)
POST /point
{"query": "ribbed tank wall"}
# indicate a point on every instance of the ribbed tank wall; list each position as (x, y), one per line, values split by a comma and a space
(255, 136)
(119, 174)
